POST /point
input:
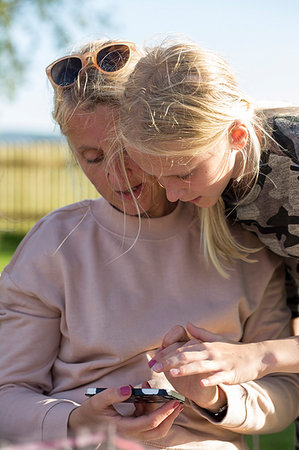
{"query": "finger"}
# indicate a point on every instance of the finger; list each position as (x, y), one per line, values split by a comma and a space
(175, 334)
(183, 356)
(163, 428)
(164, 353)
(148, 422)
(139, 409)
(204, 335)
(110, 396)
(194, 368)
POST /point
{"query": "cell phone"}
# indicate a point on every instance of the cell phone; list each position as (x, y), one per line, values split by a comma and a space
(145, 395)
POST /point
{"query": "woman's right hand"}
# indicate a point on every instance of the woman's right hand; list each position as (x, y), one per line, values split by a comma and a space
(148, 425)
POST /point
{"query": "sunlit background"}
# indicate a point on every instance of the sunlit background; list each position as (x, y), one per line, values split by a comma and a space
(259, 38)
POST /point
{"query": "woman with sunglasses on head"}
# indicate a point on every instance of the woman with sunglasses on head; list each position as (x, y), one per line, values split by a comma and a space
(198, 133)
(57, 305)
(90, 292)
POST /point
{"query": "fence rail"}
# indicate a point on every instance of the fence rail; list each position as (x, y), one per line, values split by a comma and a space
(35, 178)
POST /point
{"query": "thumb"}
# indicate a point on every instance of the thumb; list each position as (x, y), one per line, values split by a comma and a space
(175, 334)
(111, 396)
(204, 335)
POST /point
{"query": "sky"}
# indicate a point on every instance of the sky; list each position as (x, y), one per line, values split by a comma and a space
(259, 38)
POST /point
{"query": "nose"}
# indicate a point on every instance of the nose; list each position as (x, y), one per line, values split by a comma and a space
(121, 169)
(174, 192)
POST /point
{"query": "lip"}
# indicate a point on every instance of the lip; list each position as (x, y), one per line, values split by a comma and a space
(196, 200)
(127, 194)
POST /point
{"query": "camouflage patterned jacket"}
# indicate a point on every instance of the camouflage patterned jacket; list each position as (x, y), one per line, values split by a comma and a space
(271, 210)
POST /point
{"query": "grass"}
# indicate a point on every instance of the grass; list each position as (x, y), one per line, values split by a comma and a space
(8, 244)
(277, 441)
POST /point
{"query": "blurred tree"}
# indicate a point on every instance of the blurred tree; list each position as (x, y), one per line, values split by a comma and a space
(31, 19)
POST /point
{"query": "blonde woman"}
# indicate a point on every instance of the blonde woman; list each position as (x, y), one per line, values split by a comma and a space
(204, 140)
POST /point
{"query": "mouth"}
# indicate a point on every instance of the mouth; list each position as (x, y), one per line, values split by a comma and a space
(129, 193)
(196, 200)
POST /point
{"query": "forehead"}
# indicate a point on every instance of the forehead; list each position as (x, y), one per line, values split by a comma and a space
(163, 165)
(98, 125)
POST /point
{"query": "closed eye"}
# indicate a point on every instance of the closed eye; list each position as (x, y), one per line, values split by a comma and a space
(96, 160)
(93, 156)
(185, 177)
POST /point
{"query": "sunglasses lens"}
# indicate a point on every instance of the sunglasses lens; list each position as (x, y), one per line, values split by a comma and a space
(113, 58)
(66, 71)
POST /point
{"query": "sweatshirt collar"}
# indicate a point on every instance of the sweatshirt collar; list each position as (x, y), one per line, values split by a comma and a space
(157, 228)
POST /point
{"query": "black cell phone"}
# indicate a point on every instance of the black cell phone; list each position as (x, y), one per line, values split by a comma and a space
(145, 395)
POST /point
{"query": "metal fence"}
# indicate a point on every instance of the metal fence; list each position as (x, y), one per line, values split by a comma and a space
(35, 178)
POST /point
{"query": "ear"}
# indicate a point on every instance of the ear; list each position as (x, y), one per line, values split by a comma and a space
(238, 135)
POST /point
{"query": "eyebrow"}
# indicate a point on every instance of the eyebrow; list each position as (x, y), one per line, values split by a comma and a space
(82, 148)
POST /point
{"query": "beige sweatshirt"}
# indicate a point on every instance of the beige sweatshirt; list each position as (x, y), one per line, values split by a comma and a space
(84, 305)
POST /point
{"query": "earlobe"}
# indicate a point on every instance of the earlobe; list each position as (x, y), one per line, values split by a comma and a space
(239, 136)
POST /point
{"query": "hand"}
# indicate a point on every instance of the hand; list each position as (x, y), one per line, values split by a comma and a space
(177, 358)
(219, 360)
(146, 425)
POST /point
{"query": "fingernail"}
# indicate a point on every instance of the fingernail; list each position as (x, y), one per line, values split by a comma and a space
(175, 405)
(174, 372)
(182, 407)
(152, 362)
(157, 367)
(125, 390)
(205, 382)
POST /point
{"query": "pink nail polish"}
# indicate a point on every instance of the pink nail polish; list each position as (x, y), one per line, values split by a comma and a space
(175, 405)
(152, 362)
(125, 390)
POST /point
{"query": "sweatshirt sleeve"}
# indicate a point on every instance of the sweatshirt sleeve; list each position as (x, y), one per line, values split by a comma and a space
(269, 404)
(29, 338)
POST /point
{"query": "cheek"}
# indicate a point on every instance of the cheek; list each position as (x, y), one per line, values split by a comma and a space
(95, 174)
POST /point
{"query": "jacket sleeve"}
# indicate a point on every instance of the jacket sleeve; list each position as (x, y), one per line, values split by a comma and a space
(271, 403)
(29, 338)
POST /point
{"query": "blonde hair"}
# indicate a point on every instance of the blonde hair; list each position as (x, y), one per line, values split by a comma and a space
(179, 92)
(92, 87)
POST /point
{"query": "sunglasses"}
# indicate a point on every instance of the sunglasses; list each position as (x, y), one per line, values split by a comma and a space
(110, 59)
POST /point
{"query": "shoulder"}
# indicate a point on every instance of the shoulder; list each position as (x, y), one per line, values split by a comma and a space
(283, 126)
(50, 231)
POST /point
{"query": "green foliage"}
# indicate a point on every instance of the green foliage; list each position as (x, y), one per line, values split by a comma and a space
(31, 19)
(8, 244)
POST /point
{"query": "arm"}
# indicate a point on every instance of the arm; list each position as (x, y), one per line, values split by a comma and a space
(30, 340)
(220, 361)
(267, 405)
(29, 344)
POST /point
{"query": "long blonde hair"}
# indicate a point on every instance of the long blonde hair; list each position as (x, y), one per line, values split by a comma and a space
(179, 92)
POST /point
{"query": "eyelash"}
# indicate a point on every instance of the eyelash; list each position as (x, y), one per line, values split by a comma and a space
(97, 160)
(185, 177)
